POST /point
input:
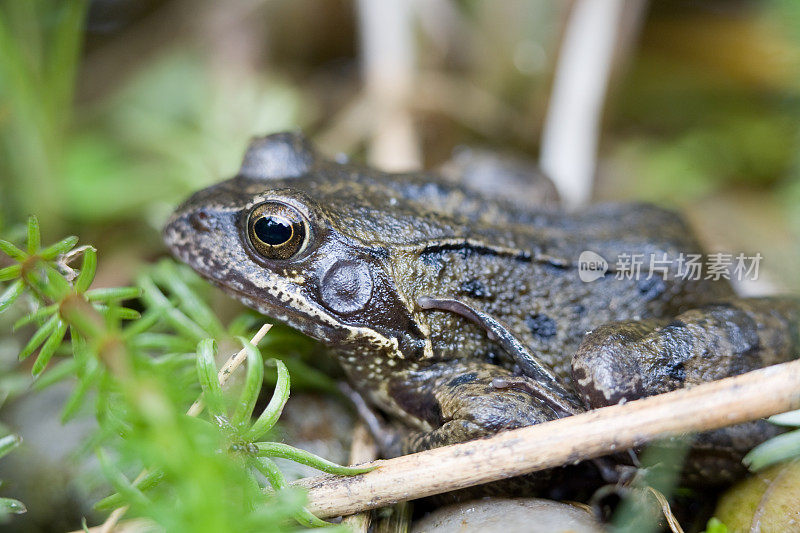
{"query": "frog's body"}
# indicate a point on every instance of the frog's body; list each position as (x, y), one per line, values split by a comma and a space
(379, 256)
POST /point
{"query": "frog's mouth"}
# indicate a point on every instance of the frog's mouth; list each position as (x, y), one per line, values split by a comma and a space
(294, 311)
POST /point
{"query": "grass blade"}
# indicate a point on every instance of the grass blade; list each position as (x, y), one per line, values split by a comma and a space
(11, 294)
(88, 269)
(115, 294)
(10, 272)
(8, 443)
(34, 235)
(278, 449)
(274, 408)
(61, 247)
(36, 315)
(207, 374)
(39, 337)
(774, 450)
(275, 477)
(188, 301)
(12, 251)
(252, 386)
(10, 505)
(154, 298)
(49, 348)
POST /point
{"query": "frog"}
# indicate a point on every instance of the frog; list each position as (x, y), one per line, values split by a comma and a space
(457, 308)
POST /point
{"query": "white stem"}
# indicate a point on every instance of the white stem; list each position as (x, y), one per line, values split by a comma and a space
(572, 125)
(388, 64)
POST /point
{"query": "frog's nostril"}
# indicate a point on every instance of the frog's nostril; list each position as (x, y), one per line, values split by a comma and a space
(200, 221)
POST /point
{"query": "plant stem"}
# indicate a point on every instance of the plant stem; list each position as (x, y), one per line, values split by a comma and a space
(726, 402)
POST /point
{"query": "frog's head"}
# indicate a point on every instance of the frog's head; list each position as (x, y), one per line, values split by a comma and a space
(273, 238)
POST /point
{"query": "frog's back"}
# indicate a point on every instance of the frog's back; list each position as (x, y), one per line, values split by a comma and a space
(515, 259)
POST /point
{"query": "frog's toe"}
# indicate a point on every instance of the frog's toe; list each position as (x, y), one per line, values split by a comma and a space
(607, 368)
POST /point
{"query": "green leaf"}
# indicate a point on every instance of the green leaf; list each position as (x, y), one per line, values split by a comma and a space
(275, 477)
(150, 480)
(278, 449)
(49, 348)
(274, 408)
(10, 505)
(791, 418)
(188, 301)
(163, 342)
(36, 315)
(120, 483)
(207, 374)
(39, 337)
(116, 312)
(12, 251)
(10, 272)
(61, 247)
(56, 374)
(115, 294)
(88, 269)
(147, 321)
(776, 449)
(75, 400)
(252, 386)
(53, 285)
(10, 295)
(8, 443)
(34, 235)
(715, 525)
(154, 298)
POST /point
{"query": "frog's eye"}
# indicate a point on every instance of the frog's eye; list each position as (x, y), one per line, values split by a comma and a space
(276, 230)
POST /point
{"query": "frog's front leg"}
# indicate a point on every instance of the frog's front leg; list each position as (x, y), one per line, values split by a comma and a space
(458, 401)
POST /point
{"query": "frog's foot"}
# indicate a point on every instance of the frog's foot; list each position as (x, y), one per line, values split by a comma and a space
(625, 361)
(543, 382)
(629, 360)
(459, 401)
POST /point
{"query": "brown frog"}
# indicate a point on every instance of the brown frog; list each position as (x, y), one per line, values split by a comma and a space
(458, 308)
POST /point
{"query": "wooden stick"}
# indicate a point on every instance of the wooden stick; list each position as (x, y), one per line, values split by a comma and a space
(362, 450)
(713, 405)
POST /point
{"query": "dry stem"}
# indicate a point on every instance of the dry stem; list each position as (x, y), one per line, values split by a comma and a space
(713, 405)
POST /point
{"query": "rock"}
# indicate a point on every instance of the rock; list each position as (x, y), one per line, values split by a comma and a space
(508, 515)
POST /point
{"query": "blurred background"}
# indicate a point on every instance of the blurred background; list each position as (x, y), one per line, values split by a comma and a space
(112, 111)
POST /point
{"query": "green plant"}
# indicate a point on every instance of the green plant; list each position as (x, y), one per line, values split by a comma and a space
(9, 505)
(780, 448)
(716, 526)
(142, 370)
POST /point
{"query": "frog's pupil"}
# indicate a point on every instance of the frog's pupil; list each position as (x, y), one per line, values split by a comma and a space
(273, 230)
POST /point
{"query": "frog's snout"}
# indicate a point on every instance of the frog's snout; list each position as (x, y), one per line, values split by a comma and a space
(201, 221)
(188, 229)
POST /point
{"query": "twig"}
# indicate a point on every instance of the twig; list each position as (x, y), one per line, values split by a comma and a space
(713, 405)
(672, 521)
(572, 125)
(362, 450)
(224, 373)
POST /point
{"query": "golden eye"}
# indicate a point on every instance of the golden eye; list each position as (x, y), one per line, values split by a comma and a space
(276, 230)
